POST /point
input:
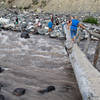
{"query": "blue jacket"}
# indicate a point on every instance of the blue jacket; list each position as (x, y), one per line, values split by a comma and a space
(74, 25)
(50, 24)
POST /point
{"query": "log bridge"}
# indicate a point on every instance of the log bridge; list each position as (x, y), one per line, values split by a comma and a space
(88, 77)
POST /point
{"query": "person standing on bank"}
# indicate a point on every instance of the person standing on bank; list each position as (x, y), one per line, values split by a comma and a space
(17, 21)
(74, 24)
(56, 20)
(50, 26)
(52, 19)
(37, 21)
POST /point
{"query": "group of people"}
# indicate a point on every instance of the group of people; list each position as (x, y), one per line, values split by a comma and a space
(37, 21)
(53, 21)
(72, 25)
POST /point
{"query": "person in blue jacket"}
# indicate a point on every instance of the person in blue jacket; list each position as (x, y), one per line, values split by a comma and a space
(74, 24)
(50, 25)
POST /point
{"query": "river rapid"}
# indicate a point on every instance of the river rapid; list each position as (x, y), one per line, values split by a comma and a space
(34, 64)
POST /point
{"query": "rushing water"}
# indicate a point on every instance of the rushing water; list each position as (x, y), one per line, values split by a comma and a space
(91, 51)
(34, 64)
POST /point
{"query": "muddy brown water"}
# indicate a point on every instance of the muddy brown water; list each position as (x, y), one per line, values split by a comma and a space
(34, 64)
(91, 52)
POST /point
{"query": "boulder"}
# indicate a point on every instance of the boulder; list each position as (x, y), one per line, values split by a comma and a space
(48, 89)
(25, 35)
(1, 85)
(1, 69)
(19, 91)
(4, 21)
(2, 97)
(42, 31)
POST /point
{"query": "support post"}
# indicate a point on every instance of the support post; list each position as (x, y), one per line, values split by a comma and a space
(87, 44)
(96, 55)
(87, 76)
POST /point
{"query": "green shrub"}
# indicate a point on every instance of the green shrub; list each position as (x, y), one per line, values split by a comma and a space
(35, 2)
(91, 20)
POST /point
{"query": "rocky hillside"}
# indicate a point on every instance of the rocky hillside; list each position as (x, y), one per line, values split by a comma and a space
(57, 5)
(74, 5)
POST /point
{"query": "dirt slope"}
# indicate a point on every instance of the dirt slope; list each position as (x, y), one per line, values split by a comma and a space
(62, 5)
(74, 5)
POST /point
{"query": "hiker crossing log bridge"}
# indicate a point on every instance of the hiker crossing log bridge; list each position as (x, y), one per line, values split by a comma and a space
(87, 76)
(37, 68)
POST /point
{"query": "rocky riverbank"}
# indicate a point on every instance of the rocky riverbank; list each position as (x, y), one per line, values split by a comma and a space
(58, 6)
(27, 20)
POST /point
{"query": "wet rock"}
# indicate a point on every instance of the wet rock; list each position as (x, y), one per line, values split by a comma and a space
(4, 21)
(0, 28)
(94, 38)
(1, 85)
(91, 28)
(1, 69)
(52, 35)
(97, 31)
(25, 35)
(42, 31)
(48, 89)
(35, 31)
(23, 25)
(56, 33)
(10, 26)
(2, 97)
(19, 91)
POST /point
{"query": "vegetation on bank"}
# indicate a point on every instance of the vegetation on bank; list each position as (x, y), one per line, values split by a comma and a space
(91, 20)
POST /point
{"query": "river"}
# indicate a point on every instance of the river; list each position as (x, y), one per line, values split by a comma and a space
(34, 64)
